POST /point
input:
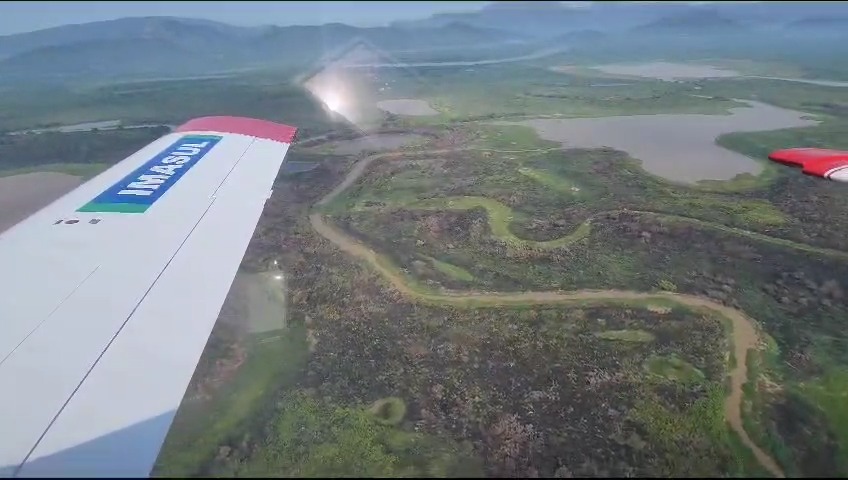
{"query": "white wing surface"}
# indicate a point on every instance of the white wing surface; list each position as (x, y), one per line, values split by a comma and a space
(108, 296)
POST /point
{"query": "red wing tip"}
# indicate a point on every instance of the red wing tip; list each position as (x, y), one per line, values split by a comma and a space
(818, 162)
(798, 157)
(252, 127)
(786, 157)
(801, 155)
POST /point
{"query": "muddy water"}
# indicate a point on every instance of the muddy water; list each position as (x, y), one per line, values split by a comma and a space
(678, 147)
(405, 106)
(823, 83)
(23, 195)
(379, 142)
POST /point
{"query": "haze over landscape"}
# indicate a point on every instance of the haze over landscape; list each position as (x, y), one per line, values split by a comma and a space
(518, 238)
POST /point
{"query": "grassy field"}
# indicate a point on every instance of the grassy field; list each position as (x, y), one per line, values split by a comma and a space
(83, 170)
(77, 153)
(516, 90)
(673, 368)
(311, 438)
(500, 217)
(452, 270)
(166, 102)
(627, 335)
(828, 393)
(273, 360)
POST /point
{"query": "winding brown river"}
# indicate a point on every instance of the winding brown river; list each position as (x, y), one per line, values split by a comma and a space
(745, 336)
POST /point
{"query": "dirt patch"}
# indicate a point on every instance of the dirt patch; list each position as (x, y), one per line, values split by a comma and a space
(23, 195)
(379, 142)
(678, 147)
(666, 70)
(222, 371)
(405, 106)
(659, 310)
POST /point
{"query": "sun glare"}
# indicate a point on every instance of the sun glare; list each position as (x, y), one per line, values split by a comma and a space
(333, 103)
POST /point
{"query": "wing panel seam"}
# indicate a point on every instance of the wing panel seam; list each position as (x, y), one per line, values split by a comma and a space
(59, 305)
(132, 312)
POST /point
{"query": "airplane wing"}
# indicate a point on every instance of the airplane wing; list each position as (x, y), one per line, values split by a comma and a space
(108, 296)
(819, 162)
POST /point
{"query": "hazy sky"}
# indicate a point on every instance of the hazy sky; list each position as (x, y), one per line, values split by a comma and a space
(18, 17)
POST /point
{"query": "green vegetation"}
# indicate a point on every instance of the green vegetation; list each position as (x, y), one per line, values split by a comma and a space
(310, 438)
(457, 360)
(742, 212)
(698, 256)
(756, 404)
(500, 217)
(389, 411)
(673, 368)
(166, 103)
(667, 285)
(522, 90)
(551, 181)
(750, 212)
(638, 336)
(451, 270)
(702, 424)
(82, 153)
(83, 170)
(541, 214)
(511, 140)
(273, 360)
(830, 394)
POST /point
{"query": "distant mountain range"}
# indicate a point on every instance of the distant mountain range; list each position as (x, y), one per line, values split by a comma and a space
(820, 26)
(692, 22)
(548, 19)
(182, 46)
(172, 46)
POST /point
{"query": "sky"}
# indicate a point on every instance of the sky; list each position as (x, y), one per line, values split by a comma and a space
(17, 17)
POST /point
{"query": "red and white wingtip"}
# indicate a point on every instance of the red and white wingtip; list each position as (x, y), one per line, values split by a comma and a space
(251, 127)
(819, 162)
